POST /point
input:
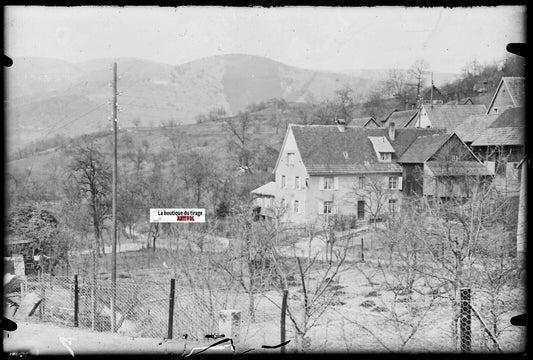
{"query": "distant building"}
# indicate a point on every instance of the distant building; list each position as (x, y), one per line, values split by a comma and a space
(366, 122)
(433, 96)
(463, 101)
(400, 118)
(445, 116)
(509, 93)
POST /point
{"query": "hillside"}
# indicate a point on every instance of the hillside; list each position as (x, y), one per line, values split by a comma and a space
(50, 97)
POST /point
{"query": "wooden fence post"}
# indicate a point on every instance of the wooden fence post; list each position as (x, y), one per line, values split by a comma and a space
(171, 308)
(283, 316)
(76, 299)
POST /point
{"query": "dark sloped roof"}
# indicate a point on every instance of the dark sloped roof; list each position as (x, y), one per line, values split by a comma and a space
(321, 148)
(436, 94)
(451, 116)
(517, 89)
(500, 136)
(361, 122)
(463, 101)
(472, 127)
(513, 117)
(424, 147)
(457, 168)
(400, 118)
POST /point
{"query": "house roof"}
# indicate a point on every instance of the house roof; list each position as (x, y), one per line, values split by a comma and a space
(463, 101)
(451, 116)
(472, 127)
(457, 168)
(424, 146)
(500, 136)
(513, 117)
(381, 144)
(507, 129)
(516, 87)
(322, 146)
(400, 118)
(269, 189)
(362, 122)
(436, 94)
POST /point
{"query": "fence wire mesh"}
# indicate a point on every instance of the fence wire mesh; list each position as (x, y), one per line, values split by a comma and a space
(381, 322)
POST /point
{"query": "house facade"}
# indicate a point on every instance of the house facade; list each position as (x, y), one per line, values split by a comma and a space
(501, 146)
(350, 171)
(509, 93)
(441, 166)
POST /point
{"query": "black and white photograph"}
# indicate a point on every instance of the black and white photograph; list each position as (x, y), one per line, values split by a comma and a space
(199, 180)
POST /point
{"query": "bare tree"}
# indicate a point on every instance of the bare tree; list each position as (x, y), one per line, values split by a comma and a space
(316, 282)
(416, 72)
(241, 129)
(345, 102)
(91, 171)
(397, 84)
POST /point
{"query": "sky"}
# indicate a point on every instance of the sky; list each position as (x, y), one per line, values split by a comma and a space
(318, 38)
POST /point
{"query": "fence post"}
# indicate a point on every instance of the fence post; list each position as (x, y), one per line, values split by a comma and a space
(76, 299)
(283, 316)
(362, 250)
(171, 308)
(466, 321)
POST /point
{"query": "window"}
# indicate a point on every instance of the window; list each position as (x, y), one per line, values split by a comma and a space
(283, 184)
(296, 206)
(328, 182)
(361, 182)
(345, 154)
(290, 159)
(328, 207)
(455, 157)
(283, 203)
(393, 182)
(501, 166)
(393, 205)
(297, 183)
(384, 156)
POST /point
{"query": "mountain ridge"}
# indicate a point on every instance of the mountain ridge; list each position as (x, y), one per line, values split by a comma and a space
(42, 92)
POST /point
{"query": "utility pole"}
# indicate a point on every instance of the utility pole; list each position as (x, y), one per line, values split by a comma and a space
(114, 200)
(432, 89)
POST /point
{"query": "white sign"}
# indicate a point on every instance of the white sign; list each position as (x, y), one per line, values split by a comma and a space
(177, 215)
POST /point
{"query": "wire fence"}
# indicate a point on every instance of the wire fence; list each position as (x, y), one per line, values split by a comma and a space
(381, 322)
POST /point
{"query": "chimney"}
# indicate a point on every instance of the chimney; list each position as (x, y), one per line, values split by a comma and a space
(392, 130)
(341, 124)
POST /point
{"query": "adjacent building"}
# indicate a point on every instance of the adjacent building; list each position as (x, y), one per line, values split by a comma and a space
(400, 118)
(445, 116)
(511, 92)
(501, 146)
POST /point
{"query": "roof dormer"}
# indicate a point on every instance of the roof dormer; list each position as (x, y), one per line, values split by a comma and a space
(382, 147)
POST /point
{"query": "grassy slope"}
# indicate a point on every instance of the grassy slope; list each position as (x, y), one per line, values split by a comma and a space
(208, 137)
